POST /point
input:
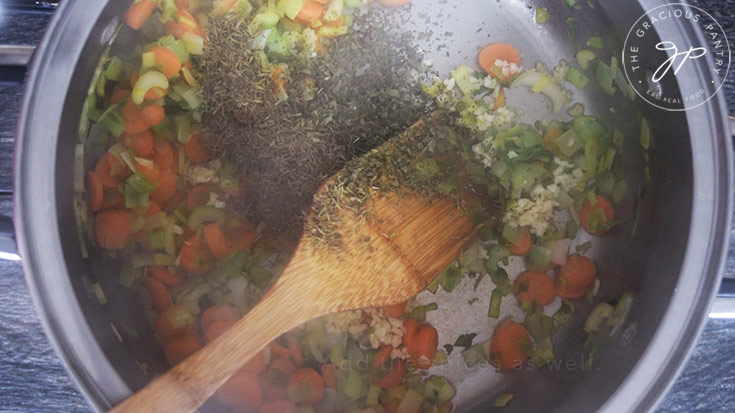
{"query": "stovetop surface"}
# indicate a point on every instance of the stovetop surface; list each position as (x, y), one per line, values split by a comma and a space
(33, 379)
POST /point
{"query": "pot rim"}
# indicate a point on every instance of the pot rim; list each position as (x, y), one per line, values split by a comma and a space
(68, 331)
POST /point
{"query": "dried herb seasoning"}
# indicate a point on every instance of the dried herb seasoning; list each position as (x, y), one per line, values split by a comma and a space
(364, 91)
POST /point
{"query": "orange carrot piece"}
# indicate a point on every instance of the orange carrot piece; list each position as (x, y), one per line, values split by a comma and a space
(524, 245)
(315, 381)
(181, 345)
(310, 13)
(387, 372)
(133, 116)
(410, 328)
(152, 114)
(295, 348)
(159, 294)
(166, 187)
(422, 348)
(163, 154)
(118, 95)
(215, 239)
(278, 406)
(244, 240)
(95, 191)
(150, 171)
(533, 286)
(396, 310)
(273, 392)
(199, 195)
(242, 392)
(195, 257)
(185, 23)
(285, 366)
(113, 228)
(139, 12)
(104, 169)
(506, 346)
(166, 61)
(164, 328)
(195, 149)
(256, 364)
(279, 351)
(329, 374)
(498, 51)
(575, 277)
(164, 275)
(586, 211)
(217, 329)
(217, 313)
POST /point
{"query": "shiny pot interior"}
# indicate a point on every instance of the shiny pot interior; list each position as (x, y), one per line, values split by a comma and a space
(670, 264)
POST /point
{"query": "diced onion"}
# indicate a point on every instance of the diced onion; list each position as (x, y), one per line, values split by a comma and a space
(560, 251)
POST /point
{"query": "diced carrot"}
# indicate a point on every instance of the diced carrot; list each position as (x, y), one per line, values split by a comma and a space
(273, 391)
(142, 143)
(243, 240)
(164, 328)
(410, 328)
(241, 392)
(195, 257)
(95, 191)
(278, 406)
(279, 351)
(296, 354)
(176, 200)
(159, 294)
(387, 372)
(163, 154)
(533, 286)
(396, 310)
(524, 245)
(394, 3)
(118, 95)
(575, 277)
(181, 345)
(256, 364)
(139, 12)
(316, 383)
(152, 114)
(285, 366)
(166, 61)
(217, 329)
(134, 122)
(153, 209)
(148, 170)
(391, 406)
(422, 347)
(109, 169)
(329, 374)
(310, 13)
(218, 313)
(185, 23)
(588, 211)
(155, 93)
(509, 345)
(195, 149)
(164, 275)
(215, 239)
(113, 228)
(166, 187)
(112, 200)
(498, 51)
(199, 195)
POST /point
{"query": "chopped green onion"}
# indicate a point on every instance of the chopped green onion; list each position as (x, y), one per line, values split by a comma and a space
(576, 109)
(148, 81)
(571, 27)
(183, 128)
(596, 42)
(576, 78)
(203, 214)
(501, 281)
(419, 313)
(496, 298)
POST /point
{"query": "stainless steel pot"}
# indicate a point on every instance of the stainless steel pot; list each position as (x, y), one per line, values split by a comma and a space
(672, 265)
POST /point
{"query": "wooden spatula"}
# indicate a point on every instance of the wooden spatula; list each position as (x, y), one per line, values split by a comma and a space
(386, 259)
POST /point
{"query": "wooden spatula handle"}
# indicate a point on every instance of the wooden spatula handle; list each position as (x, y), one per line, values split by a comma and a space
(189, 384)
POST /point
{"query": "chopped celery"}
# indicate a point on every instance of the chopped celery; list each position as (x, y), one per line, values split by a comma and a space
(114, 69)
(541, 84)
(473, 355)
(138, 183)
(440, 358)
(99, 293)
(501, 281)
(503, 400)
(354, 3)
(619, 191)
(353, 384)
(411, 402)
(495, 254)
(128, 275)
(112, 119)
(593, 290)
(450, 278)
(179, 316)
(204, 214)
(189, 76)
(539, 325)
(266, 19)
(577, 78)
(191, 98)
(419, 313)
(168, 10)
(600, 314)
(146, 82)
(564, 313)
(585, 57)
(645, 135)
(622, 308)
(156, 239)
(496, 298)
(328, 31)
(583, 247)
(569, 143)
(542, 15)
(334, 11)
(539, 259)
(276, 43)
(543, 352)
(372, 395)
(571, 27)
(596, 42)
(194, 44)
(183, 128)
(163, 259)
(570, 4)
(290, 8)
(463, 76)
(148, 60)
(300, 391)
(259, 276)
(604, 76)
